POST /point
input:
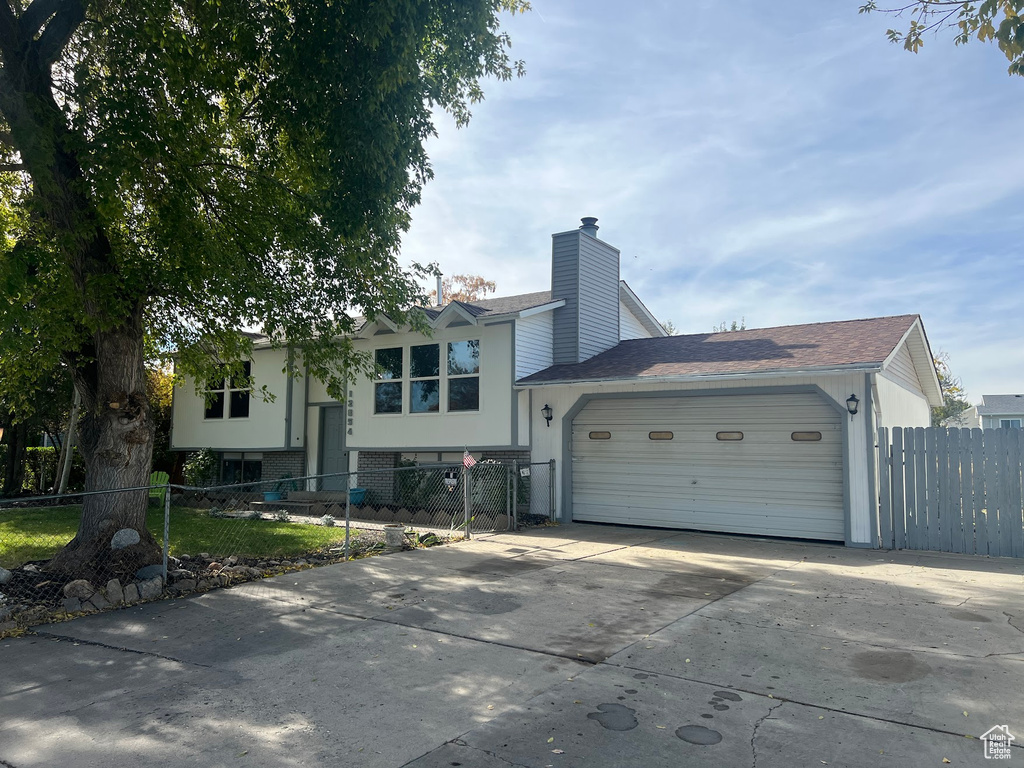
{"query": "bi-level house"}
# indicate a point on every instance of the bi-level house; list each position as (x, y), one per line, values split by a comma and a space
(763, 431)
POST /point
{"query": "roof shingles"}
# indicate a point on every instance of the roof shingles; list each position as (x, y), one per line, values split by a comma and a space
(815, 346)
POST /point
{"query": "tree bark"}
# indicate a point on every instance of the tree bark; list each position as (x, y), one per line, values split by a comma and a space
(14, 472)
(116, 441)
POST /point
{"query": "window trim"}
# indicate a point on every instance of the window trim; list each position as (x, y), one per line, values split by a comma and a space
(1008, 423)
(411, 379)
(449, 377)
(226, 390)
(400, 381)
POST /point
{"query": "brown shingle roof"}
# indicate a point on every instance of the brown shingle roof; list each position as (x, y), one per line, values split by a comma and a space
(506, 305)
(819, 345)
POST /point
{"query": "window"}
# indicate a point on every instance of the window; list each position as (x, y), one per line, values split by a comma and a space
(463, 375)
(1009, 423)
(660, 435)
(726, 436)
(387, 395)
(241, 467)
(806, 437)
(425, 378)
(600, 435)
(234, 392)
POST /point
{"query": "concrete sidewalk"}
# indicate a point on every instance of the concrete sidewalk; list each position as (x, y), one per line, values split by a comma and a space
(569, 646)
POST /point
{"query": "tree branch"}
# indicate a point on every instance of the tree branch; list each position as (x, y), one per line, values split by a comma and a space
(36, 15)
(12, 167)
(10, 40)
(70, 15)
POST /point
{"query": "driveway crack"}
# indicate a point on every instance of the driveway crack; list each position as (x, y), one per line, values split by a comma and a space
(753, 736)
(95, 644)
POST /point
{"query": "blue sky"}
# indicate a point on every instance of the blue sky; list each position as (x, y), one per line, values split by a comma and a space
(776, 161)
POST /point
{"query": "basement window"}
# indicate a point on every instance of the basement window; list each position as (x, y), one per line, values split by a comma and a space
(729, 436)
(660, 435)
(600, 435)
(806, 437)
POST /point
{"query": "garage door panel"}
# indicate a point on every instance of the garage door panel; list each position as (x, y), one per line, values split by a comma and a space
(765, 483)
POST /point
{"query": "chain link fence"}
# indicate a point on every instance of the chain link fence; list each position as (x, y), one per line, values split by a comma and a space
(199, 538)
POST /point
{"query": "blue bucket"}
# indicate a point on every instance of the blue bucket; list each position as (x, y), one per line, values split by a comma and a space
(357, 495)
(272, 495)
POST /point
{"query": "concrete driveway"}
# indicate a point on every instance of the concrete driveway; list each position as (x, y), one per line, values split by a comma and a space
(569, 646)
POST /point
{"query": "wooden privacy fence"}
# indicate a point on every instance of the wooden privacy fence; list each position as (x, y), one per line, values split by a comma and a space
(951, 490)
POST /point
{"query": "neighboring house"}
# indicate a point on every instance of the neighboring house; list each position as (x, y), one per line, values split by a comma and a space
(995, 412)
(744, 431)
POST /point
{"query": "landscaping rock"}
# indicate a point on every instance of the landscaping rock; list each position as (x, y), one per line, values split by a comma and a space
(99, 601)
(215, 566)
(150, 588)
(5, 576)
(6, 611)
(131, 594)
(184, 557)
(150, 572)
(125, 537)
(206, 584)
(71, 604)
(232, 560)
(204, 555)
(223, 579)
(88, 607)
(301, 561)
(179, 573)
(79, 588)
(31, 568)
(5, 625)
(183, 586)
(114, 592)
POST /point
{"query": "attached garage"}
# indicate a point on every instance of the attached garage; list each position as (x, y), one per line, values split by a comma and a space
(768, 464)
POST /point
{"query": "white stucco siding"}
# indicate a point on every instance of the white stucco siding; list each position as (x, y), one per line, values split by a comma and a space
(263, 429)
(534, 344)
(629, 326)
(490, 426)
(547, 443)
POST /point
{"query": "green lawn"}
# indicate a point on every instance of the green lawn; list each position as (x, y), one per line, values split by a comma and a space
(37, 533)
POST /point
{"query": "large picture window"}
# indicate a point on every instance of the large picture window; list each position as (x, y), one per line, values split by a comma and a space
(387, 393)
(425, 378)
(234, 393)
(463, 375)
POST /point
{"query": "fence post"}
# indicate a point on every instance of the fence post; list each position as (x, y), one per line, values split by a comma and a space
(514, 517)
(551, 490)
(348, 511)
(167, 528)
(466, 497)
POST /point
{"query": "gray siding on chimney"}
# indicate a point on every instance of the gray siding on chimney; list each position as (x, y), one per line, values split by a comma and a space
(584, 272)
(599, 297)
(565, 259)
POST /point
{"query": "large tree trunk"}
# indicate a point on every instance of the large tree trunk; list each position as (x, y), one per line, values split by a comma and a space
(14, 471)
(116, 440)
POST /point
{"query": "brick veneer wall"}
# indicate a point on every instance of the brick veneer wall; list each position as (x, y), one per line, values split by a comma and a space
(523, 457)
(277, 465)
(380, 486)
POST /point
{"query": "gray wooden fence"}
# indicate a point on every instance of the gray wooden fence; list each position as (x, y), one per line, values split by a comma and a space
(951, 490)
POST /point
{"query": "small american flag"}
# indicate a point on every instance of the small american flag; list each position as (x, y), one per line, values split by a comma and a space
(467, 460)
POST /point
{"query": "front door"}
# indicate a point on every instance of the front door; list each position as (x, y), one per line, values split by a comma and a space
(333, 456)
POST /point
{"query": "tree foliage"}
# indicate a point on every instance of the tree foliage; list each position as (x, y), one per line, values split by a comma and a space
(470, 288)
(178, 171)
(735, 325)
(996, 21)
(954, 400)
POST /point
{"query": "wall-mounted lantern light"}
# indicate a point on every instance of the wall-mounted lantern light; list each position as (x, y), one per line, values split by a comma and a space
(547, 413)
(851, 405)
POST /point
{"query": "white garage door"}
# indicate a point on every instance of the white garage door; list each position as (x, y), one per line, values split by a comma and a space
(760, 464)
